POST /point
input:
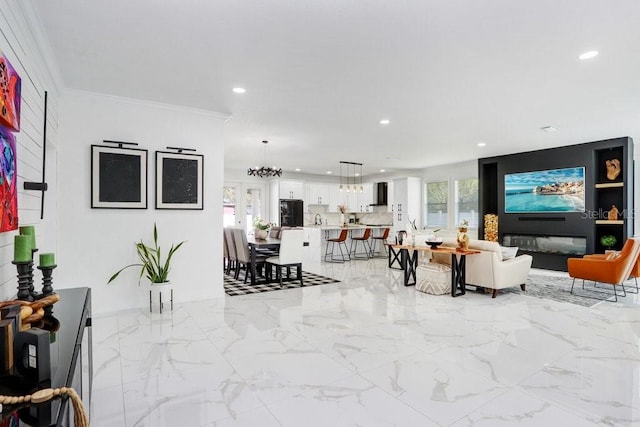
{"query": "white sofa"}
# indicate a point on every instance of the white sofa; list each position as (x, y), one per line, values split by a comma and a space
(487, 269)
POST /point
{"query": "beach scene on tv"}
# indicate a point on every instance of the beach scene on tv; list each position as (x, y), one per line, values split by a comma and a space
(554, 190)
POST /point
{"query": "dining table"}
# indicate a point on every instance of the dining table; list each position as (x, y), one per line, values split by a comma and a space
(409, 264)
(270, 243)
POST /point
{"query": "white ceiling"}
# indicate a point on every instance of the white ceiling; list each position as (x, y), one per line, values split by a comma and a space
(321, 74)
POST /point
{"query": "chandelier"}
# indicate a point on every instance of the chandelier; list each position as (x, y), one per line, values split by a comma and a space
(265, 171)
(349, 181)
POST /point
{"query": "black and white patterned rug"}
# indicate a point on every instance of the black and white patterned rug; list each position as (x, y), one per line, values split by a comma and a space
(559, 289)
(238, 287)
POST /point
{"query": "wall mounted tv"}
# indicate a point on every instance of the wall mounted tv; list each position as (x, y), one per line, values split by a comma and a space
(553, 190)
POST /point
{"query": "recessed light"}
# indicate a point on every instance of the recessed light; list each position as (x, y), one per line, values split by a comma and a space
(382, 170)
(297, 169)
(239, 90)
(385, 121)
(482, 144)
(548, 129)
(329, 172)
(589, 55)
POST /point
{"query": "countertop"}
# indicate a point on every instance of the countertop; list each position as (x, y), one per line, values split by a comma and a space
(350, 227)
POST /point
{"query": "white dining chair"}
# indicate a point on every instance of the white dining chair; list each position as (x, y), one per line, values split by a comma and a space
(290, 255)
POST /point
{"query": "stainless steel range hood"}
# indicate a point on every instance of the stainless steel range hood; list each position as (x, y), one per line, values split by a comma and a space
(380, 194)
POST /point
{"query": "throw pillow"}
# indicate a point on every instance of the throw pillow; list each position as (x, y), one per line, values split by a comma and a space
(612, 255)
(508, 252)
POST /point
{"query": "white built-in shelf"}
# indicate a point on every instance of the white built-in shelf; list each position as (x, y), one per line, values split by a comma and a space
(609, 222)
(610, 184)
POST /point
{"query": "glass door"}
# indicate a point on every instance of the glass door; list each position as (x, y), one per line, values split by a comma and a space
(229, 206)
(254, 207)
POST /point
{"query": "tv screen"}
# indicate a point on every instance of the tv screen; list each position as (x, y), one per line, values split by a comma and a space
(554, 190)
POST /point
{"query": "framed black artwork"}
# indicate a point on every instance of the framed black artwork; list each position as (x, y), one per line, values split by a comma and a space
(118, 177)
(179, 180)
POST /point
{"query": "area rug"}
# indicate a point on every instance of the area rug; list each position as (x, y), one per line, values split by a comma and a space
(234, 287)
(558, 289)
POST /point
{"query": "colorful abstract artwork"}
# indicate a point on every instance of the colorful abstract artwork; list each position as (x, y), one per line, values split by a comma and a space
(8, 185)
(9, 95)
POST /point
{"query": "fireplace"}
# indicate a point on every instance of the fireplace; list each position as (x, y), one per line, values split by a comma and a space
(543, 244)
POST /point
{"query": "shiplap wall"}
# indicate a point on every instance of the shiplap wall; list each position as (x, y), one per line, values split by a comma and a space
(21, 43)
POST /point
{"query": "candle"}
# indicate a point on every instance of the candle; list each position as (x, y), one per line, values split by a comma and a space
(47, 260)
(29, 230)
(22, 248)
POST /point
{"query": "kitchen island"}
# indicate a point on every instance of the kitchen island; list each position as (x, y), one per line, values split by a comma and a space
(317, 236)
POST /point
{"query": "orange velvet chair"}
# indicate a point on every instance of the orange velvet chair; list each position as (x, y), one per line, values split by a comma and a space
(613, 270)
(635, 271)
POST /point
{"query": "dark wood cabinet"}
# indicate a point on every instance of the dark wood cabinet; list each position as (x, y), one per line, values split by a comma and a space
(71, 360)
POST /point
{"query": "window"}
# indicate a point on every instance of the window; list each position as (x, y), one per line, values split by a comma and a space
(436, 195)
(254, 207)
(467, 201)
(229, 206)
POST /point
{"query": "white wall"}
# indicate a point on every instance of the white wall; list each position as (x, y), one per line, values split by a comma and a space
(22, 43)
(94, 243)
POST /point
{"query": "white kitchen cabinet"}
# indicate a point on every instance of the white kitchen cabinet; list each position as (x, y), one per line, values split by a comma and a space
(291, 190)
(365, 198)
(336, 197)
(319, 193)
(406, 200)
(390, 202)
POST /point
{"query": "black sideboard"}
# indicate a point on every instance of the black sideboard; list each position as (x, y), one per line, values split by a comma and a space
(71, 363)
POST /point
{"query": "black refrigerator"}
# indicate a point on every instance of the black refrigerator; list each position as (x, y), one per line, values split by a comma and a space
(291, 214)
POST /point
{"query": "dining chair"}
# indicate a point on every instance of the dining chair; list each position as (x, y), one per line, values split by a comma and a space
(243, 255)
(231, 247)
(225, 252)
(291, 254)
(366, 246)
(340, 240)
(383, 242)
(275, 232)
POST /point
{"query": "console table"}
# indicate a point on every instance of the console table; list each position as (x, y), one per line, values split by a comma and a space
(71, 363)
(409, 264)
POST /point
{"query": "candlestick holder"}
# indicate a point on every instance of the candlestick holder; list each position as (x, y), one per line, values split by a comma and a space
(23, 279)
(32, 291)
(47, 279)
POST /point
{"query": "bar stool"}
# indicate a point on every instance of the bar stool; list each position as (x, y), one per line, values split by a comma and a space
(383, 241)
(340, 240)
(365, 245)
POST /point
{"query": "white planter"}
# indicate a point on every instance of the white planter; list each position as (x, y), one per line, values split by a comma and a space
(260, 234)
(159, 295)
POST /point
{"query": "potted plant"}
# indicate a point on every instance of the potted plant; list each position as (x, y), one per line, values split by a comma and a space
(608, 241)
(151, 264)
(261, 228)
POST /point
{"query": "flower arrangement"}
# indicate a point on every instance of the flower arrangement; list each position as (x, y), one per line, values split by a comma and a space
(342, 208)
(464, 224)
(261, 224)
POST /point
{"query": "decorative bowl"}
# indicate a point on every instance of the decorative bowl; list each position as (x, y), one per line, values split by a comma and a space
(434, 243)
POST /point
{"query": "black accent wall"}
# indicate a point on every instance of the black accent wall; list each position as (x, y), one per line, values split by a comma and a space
(600, 194)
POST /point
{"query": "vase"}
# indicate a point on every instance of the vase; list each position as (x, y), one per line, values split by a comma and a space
(159, 295)
(260, 234)
(463, 239)
(342, 223)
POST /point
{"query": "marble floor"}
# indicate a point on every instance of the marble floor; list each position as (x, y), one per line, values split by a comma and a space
(368, 352)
